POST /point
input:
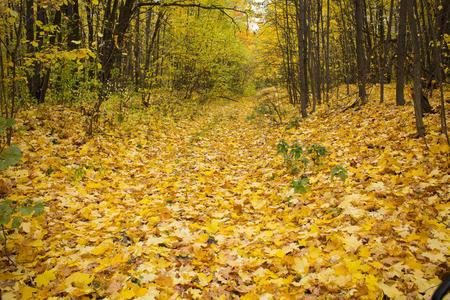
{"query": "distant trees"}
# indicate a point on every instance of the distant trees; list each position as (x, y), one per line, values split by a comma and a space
(363, 42)
(65, 48)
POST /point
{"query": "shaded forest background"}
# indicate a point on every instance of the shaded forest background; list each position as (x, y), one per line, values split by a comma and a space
(67, 52)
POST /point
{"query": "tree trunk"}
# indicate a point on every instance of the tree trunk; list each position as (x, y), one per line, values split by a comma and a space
(318, 67)
(401, 53)
(327, 55)
(74, 25)
(386, 51)
(90, 22)
(137, 52)
(302, 54)
(38, 80)
(380, 12)
(417, 71)
(361, 59)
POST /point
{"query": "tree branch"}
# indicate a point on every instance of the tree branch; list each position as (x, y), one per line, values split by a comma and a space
(222, 9)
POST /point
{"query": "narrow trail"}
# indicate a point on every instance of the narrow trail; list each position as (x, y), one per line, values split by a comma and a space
(202, 208)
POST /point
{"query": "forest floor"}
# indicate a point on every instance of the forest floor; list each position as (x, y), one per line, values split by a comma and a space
(198, 204)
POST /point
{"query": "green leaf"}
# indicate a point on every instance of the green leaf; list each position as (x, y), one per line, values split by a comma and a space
(4, 219)
(296, 151)
(282, 147)
(6, 123)
(16, 222)
(10, 157)
(49, 171)
(301, 186)
(26, 210)
(333, 209)
(5, 208)
(305, 161)
(38, 209)
(339, 171)
(23, 128)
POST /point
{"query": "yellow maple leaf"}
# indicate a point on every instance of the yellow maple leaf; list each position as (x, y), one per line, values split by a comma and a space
(351, 243)
(42, 280)
(100, 249)
(364, 252)
(314, 253)
(278, 253)
(212, 226)
(27, 292)
(203, 279)
(127, 294)
(257, 202)
(80, 278)
(390, 291)
(301, 265)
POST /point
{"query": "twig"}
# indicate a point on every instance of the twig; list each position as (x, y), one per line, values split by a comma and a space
(110, 135)
(6, 250)
(227, 98)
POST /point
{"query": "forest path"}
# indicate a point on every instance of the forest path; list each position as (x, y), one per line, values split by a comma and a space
(199, 205)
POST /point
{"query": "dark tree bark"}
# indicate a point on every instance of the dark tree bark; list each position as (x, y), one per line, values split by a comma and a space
(90, 22)
(302, 54)
(345, 49)
(401, 53)
(417, 70)
(137, 51)
(148, 27)
(39, 79)
(318, 67)
(380, 12)
(327, 56)
(386, 51)
(360, 53)
(73, 14)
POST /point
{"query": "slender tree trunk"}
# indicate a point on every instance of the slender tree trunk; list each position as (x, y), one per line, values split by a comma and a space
(90, 22)
(382, 45)
(73, 14)
(302, 54)
(361, 59)
(318, 67)
(137, 52)
(417, 70)
(148, 25)
(437, 67)
(38, 80)
(386, 51)
(345, 49)
(327, 56)
(401, 53)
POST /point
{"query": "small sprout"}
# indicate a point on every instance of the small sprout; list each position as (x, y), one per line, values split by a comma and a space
(339, 171)
(301, 186)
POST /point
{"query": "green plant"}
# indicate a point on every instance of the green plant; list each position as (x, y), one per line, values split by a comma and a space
(79, 173)
(339, 171)
(268, 109)
(8, 210)
(318, 151)
(12, 210)
(292, 155)
(282, 147)
(294, 123)
(12, 154)
(301, 186)
(296, 159)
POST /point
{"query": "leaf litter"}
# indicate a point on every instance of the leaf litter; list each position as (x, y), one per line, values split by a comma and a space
(175, 208)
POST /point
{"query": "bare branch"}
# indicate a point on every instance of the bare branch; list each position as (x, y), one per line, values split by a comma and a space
(222, 9)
